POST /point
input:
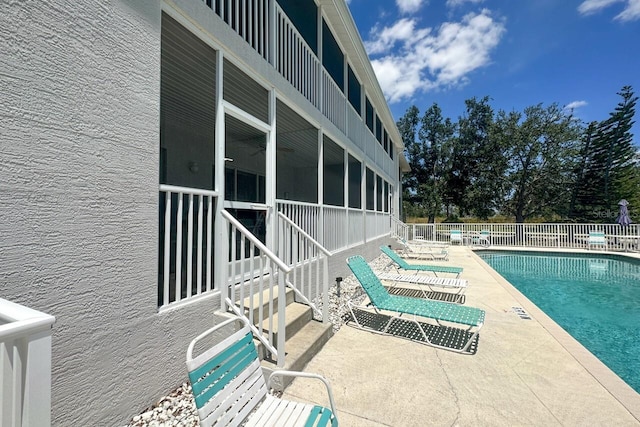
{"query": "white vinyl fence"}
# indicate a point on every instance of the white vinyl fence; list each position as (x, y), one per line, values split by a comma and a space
(572, 236)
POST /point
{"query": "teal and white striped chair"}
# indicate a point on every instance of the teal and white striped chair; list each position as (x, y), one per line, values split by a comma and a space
(597, 239)
(230, 389)
(465, 322)
(455, 236)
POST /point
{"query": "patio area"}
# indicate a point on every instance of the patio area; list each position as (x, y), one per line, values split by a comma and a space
(525, 371)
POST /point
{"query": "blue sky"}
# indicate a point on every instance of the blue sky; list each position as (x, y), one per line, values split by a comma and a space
(520, 53)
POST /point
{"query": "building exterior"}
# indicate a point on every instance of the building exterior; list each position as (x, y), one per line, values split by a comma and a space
(131, 128)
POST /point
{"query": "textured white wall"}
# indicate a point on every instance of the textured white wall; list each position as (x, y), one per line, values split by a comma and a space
(79, 142)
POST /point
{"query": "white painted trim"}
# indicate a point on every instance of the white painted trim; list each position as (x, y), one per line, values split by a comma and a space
(245, 117)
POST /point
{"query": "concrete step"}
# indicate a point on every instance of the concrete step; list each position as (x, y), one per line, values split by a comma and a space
(265, 301)
(301, 348)
(296, 317)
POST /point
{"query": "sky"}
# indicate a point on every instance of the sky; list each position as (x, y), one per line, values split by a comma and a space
(577, 54)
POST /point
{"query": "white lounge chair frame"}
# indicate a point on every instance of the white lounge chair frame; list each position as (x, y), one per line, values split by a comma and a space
(433, 284)
(230, 389)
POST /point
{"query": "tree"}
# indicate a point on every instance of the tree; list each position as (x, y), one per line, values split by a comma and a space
(608, 171)
(476, 181)
(426, 150)
(541, 149)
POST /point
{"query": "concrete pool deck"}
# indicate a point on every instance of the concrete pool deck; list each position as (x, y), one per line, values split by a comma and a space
(525, 372)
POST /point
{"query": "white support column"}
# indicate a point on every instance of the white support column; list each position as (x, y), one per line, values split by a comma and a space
(220, 263)
(363, 197)
(270, 178)
(320, 237)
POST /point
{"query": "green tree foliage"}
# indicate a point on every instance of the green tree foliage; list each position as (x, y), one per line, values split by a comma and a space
(608, 171)
(427, 142)
(539, 162)
(541, 148)
(476, 179)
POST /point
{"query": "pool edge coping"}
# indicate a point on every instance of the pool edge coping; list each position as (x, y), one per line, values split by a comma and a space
(610, 381)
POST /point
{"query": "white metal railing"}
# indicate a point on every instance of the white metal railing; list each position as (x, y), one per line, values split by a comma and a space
(255, 273)
(333, 102)
(335, 227)
(309, 262)
(571, 236)
(305, 215)
(295, 60)
(248, 18)
(187, 246)
(355, 126)
(399, 229)
(25, 366)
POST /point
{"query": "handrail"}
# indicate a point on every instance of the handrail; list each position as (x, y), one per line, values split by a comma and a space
(188, 190)
(305, 234)
(249, 235)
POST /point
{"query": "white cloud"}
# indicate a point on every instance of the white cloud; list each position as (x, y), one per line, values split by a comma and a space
(631, 11)
(408, 6)
(454, 3)
(575, 104)
(413, 59)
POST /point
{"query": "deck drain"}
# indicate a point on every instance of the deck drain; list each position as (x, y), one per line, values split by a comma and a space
(521, 313)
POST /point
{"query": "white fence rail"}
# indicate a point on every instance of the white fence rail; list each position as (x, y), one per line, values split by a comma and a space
(334, 227)
(572, 236)
(248, 18)
(255, 273)
(25, 366)
(309, 262)
(186, 261)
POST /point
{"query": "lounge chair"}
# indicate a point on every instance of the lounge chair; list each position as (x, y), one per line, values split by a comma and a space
(467, 321)
(423, 251)
(230, 389)
(455, 236)
(597, 239)
(404, 265)
(454, 287)
(482, 239)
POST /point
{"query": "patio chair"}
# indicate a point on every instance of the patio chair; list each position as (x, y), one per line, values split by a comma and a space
(455, 236)
(597, 239)
(441, 285)
(422, 251)
(482, 239)
(465, 321)
(230, 389)
(404, 265)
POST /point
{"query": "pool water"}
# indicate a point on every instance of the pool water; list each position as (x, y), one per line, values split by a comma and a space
(595, 298)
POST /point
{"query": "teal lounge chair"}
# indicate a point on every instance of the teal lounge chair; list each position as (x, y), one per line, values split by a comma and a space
(404, 265)
(469, 319)
(230, 389)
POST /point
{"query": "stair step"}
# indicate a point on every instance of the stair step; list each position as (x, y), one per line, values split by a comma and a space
(297, 315)
(265, 301)
(301, 348)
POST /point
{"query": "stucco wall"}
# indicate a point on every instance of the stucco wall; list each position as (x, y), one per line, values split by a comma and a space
(79, 141)
(79, 153)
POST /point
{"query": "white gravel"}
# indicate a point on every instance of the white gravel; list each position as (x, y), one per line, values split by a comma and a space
(178, 408)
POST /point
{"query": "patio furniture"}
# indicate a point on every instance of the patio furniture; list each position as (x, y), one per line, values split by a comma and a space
(460, 323)
(459, 286)
(229, 387)
(423, 251)
(481, 239)
(402, 264)
(597, 239)
(455, 236)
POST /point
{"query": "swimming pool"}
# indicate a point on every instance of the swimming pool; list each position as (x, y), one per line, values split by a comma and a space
(595, 298)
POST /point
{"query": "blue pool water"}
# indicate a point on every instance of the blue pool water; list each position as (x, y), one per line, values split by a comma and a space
(595, 298)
